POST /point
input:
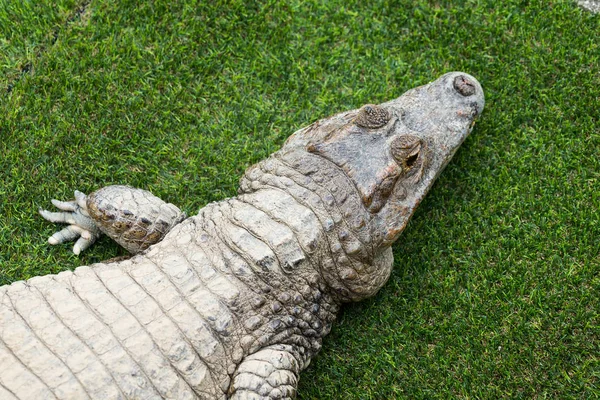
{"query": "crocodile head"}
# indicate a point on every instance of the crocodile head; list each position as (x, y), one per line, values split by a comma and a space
(394, 151)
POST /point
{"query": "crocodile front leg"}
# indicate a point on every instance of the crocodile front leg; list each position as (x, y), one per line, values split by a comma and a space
(270, 373)
(134, 218)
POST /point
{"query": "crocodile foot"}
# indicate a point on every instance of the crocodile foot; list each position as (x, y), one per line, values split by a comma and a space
(81, 226)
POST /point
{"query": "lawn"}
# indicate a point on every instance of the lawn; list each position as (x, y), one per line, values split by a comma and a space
(496, 287)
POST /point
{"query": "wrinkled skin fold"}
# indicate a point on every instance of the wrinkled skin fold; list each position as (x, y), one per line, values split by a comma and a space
(232, 303)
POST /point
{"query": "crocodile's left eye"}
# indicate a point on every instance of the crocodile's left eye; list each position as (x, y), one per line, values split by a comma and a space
(372, 116)
(406, 150)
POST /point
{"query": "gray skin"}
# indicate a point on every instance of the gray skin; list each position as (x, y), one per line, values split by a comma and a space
(590, 5)
(234, 302)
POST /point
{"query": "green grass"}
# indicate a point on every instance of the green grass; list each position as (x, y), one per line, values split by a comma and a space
(27, 28)
(496, 289)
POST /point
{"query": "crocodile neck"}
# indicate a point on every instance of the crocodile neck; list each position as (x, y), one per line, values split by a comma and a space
(349, 265)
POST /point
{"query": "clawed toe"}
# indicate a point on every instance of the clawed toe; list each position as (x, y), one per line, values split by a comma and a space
(70, 206)
(66, 235)
(82, 244)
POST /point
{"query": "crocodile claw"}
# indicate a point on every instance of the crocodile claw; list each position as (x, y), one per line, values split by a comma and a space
(82, 227)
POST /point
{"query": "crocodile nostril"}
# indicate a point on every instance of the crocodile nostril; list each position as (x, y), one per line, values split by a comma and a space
(464, 86)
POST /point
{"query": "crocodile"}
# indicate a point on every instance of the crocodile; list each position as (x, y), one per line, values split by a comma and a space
(234, 302)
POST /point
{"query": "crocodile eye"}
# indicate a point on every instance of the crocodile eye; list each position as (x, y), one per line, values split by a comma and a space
(372, 116)
(406, 150)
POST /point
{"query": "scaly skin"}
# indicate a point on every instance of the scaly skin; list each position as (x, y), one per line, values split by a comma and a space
(109, 207)
(234, 302)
